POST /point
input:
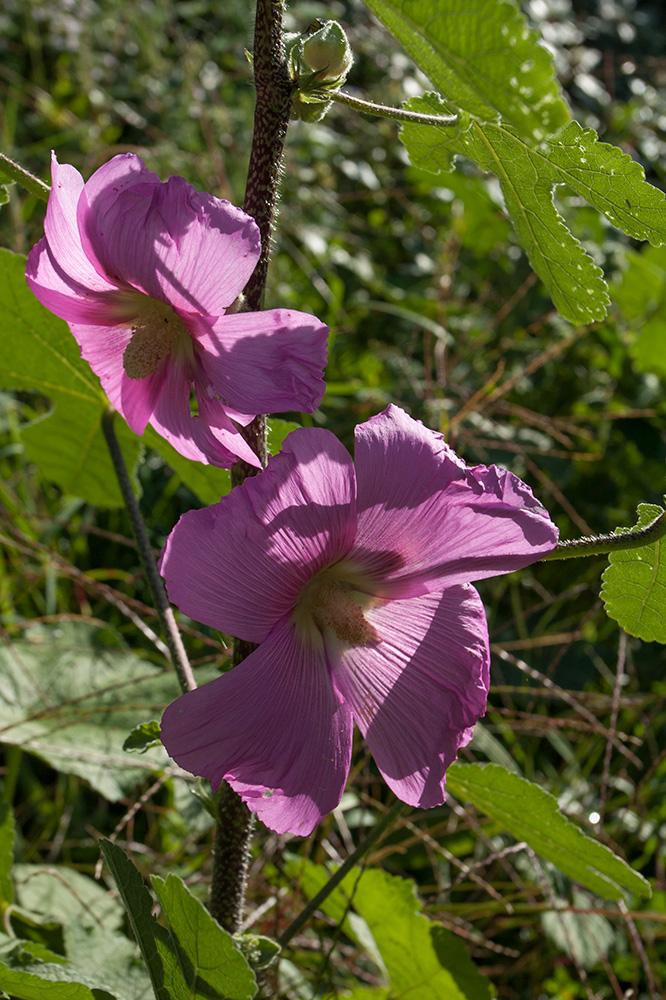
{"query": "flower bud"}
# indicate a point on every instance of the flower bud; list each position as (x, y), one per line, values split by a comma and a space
(328, 53)
(318, 62)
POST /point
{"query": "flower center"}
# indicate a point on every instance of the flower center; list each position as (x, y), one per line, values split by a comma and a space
(333, 604)
(155, 330)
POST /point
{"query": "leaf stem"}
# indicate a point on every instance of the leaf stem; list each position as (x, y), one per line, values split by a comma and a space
(384, 110)
(17, 173)
(387, 820)
(179, 658)
(598, 545)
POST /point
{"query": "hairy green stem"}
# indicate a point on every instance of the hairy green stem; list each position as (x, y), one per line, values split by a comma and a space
(179, 659)
(274, 90)
(15, 172)
(387, 820)
(384, 110)
(599, 545)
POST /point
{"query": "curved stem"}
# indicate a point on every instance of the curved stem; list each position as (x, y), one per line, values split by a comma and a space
(17, 173)
(599, 545)
(271, 118)
(384, 111)
(170, 631)
(385, 822)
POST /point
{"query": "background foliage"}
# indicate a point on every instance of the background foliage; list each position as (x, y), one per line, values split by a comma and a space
(432, 303)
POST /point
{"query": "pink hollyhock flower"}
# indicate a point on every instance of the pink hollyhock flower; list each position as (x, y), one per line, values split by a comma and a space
(145, 274)
(355, 581)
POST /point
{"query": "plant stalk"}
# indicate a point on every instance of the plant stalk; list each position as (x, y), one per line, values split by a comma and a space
(15, 172)
(165, 616)
(599, 545)
(274, 92)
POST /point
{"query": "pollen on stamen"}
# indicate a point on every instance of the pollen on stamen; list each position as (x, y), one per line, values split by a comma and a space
(154, 332)
(337, 609)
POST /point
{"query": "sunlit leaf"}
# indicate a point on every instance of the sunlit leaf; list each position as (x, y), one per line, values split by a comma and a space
(634, 584)
(531, 814)
(209, 961)
(528, 174)
(434, 963)
(483, 58)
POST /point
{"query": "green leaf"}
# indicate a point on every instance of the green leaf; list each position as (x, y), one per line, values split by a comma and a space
(424, 961)
(50, 982)
(277, 431)
(531, 814)
(421, 959)
(195, 959)
(634, 583)
(4, 194)
(70, 699)
(482, 56)
(209, 962)
(109, 959)
(38, 352)
(143, 737)
(138, 904)
(7, 834)
(66, 895)
(608, 178)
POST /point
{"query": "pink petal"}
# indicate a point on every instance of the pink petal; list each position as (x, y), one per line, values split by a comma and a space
(427, 521)
(165, 239)
(67, 298)
(267, 362)
(210, 438)
(274, 728)
(62, 232)
(416, 694)
(241, 564)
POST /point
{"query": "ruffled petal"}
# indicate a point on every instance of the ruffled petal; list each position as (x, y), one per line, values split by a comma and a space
(267, 362)
(165, 239)
(417, 692)
(241, 564)
(274, 728)
(210, 437)
(427, 521)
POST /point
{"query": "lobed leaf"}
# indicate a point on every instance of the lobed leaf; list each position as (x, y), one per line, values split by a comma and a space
(531, 814)
(482, 56)
(608, 178)
(634, 583)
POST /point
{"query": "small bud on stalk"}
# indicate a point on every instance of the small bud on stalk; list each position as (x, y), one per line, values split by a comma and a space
(318, 61)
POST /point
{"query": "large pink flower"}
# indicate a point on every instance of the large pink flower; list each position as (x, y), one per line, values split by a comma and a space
(145, 272)
(356, 584)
